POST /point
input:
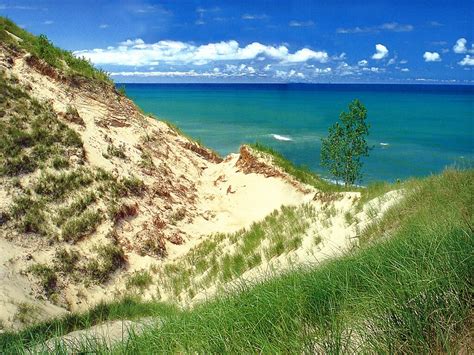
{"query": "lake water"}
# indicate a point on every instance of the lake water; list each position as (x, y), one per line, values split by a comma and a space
(415, 130)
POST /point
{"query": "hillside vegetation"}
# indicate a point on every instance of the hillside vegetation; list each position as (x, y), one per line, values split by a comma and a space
(41, 47)
(407, 289)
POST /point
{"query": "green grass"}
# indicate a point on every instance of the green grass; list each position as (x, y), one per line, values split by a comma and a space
(78, 227)
(410, 293)
(301, 173)
(306, 176)
(140, 280)
(128, 308)
(109, 258)
(46, 275)
(31, 136)
(41, 47)
(209, 264)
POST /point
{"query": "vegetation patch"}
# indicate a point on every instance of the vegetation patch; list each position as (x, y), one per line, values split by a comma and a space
(213, 261)
(140, 280)
(47, 276)
(109, 258)
(41, 47)
(78, 227)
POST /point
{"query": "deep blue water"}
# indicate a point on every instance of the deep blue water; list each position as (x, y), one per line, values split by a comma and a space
(423, 128)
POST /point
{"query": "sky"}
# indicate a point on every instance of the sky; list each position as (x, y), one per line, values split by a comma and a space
(258, 41)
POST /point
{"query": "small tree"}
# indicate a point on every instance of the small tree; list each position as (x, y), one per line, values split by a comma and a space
(346, 143)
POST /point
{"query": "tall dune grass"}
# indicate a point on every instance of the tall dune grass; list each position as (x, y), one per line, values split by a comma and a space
(410, 293)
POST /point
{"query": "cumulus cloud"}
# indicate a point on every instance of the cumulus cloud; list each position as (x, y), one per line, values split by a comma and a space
(138, 53)
(389, 27)
(460, 46)
(380, 52)
(405, 70)
(305, 54)
(467, 60)
(432, 57)
(103, 26)
(362, 63)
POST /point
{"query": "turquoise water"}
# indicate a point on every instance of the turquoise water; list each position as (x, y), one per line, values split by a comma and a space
(415, 130)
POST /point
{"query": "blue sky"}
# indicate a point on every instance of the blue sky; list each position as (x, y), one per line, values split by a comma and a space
(413, 41)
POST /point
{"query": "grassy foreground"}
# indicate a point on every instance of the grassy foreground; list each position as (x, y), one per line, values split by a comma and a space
(410, 293)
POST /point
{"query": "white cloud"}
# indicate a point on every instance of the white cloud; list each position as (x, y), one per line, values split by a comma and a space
(362, 63)
(380, 52)
(300, 23)
(48, 22)
(138, 53)
(432, 57)
(390, 27)
(323, 70)
(305, 54)
(467, 60)
(460, 46)
(292, 74)
(405, 70)
(254, 17)
(103, 26)
(392, 61)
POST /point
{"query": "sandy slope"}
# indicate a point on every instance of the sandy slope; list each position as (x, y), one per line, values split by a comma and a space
(207, 194)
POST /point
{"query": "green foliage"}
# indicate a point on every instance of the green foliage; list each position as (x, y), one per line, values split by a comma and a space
(29, 214)
(122, 90)
(47, 51)
(116, 151)
(301, 173)
(78, 227)
(346, 143)
(42, 47)
(109, 258)
(47, 277)
(411, 293)
(78, 206)
(127, 308)
(140, 279)
(56, 186)
(65, 260)
(133, 185)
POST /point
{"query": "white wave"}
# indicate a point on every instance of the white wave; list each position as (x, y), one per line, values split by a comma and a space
(281, 138)
(384, 144)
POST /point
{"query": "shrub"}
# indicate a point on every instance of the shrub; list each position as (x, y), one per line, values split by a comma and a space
(30, 214)
(22, 164)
